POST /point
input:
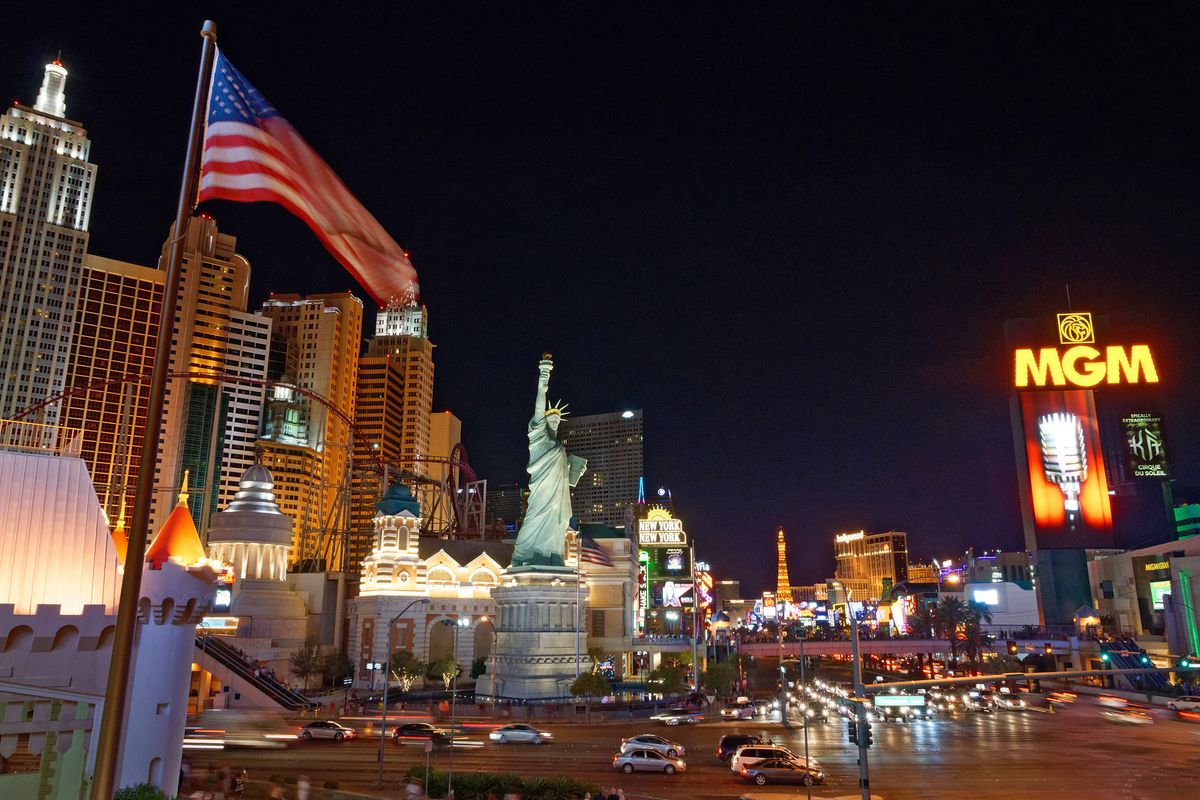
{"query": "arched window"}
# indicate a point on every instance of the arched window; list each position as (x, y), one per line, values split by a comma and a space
(484, 577)
(440, 574)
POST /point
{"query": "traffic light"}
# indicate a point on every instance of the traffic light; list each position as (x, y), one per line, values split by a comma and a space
(1048, 649)
(1105, 657)
(1145, 659)
(1012, 647)
(852, 730)
(1185, 662)
(866, 738)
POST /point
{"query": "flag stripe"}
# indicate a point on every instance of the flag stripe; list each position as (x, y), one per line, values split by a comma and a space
(594, 553)
(251, 154)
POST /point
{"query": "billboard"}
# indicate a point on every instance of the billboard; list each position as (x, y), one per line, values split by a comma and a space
(1144, 450)
(1063, 470)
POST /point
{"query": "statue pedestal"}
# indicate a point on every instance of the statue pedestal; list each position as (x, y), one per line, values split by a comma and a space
(537, 641)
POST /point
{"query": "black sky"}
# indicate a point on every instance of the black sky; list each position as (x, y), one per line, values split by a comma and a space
(791, 235)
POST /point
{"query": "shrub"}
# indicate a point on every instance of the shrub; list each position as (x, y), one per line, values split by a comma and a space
(141, 791)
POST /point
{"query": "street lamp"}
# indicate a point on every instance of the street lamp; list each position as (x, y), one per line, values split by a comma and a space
(461, 622)
(387, 671)
(864, 777)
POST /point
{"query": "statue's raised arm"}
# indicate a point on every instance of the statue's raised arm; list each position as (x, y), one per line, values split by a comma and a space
(539, 405)
(542, 537)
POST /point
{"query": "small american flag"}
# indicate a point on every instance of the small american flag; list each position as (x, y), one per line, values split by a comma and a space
(252, 154)
(593, 553)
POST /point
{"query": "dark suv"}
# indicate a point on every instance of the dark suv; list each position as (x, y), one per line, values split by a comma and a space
(730, 742)
(416, 731)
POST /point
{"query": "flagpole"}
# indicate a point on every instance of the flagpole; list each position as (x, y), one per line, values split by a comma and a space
(578, 595)
(116, 696)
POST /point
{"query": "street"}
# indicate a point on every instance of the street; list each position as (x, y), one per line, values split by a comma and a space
(1074, 753)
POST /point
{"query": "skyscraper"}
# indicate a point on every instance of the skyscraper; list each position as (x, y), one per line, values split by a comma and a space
(392, 412)
(783, 587)
(115, 336)
(612, 445)
(210, 424)
(305, 444)
(871, 563)
(46, 186)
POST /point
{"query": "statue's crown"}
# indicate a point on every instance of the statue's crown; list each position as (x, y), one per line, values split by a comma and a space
(559, 408)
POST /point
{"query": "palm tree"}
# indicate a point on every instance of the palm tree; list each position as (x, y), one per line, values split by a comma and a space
(974, 639)
(948, 615)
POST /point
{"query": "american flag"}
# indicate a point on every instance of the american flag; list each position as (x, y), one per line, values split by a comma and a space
(252, 154)
(593, 553)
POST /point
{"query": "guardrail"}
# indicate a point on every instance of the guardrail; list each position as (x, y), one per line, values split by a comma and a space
(34, 437)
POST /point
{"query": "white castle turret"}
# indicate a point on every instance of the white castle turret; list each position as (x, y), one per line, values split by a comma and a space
(178, 585)
(392, 565)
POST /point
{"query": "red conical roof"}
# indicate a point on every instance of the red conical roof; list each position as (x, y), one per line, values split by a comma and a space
(177, 539)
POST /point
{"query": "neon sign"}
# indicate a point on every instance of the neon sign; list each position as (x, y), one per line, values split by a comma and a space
(1084, 366)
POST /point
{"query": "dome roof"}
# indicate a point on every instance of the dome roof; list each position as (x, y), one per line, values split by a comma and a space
(396, 500)
(252, 516)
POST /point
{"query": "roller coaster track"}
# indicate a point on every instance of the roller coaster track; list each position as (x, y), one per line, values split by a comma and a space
(457, 471)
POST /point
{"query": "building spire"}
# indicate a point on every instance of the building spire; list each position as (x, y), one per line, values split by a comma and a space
(783, 589)
(183, 490)
(52, 97)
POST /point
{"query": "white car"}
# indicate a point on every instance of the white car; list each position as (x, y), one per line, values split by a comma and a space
(325, 729)
(520, 732)
(745, 710)
(1189, 703)
(648, 741)
(749, 754)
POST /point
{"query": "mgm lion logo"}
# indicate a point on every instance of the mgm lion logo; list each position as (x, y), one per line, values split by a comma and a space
(1076, 328)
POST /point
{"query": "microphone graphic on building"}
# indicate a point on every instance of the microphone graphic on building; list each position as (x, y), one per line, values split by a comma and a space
(1064, 457)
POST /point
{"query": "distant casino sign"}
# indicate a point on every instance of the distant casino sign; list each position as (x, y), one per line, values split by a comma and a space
(1077, 363)
(660, 529)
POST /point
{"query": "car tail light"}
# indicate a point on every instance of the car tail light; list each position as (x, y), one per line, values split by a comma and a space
(744, 770)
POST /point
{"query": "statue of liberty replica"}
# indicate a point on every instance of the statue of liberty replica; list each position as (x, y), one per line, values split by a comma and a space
(541, 542)
(541, 646)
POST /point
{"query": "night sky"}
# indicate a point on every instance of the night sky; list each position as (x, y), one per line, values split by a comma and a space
(792, 238)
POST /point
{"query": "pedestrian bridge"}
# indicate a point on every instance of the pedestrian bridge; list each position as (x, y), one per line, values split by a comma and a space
(875, 647)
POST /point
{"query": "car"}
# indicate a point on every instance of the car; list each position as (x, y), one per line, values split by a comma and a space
(421, 731)
(641, 760)
(749, 754)
(782, 770)
(1190, 702)
(978, 701)
(1112, 701)
(325, 729)
(648, 741)
(741, 710)
(520, 732)
(730, 742)
(1127, 717)
(677, 716)
(1011, 702)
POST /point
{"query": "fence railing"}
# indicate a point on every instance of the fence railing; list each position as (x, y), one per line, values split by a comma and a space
(36, 437)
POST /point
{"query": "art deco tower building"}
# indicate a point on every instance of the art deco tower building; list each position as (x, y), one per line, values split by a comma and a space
(392, 412)
(783, 587)
(306, 444)
(46, 187)
(210, 422)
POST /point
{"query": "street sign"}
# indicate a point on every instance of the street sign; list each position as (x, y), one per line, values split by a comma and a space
(429, 745)
(899, 700)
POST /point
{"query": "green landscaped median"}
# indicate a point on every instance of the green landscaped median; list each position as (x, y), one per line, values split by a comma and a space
(481, 785)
